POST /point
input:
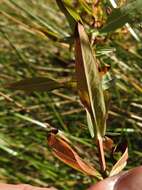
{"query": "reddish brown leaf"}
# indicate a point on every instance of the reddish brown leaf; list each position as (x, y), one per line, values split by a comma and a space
(107, 143)
(89, 83)
(103, 70)
(62, 150)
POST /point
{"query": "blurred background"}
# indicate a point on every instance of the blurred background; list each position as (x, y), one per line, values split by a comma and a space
(35, 42)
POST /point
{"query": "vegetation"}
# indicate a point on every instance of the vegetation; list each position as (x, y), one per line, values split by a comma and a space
(72, 59)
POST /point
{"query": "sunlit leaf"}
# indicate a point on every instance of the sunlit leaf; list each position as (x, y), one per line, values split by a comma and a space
(4, 145)
(86, 7)
(63, 151)
(89, 82)
(121, 163)
(71, 15)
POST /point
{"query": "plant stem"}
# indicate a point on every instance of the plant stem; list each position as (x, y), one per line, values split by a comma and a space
(101, 155)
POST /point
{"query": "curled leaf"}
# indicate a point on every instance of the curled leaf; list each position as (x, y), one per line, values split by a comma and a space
(121, 163)
(63, 151)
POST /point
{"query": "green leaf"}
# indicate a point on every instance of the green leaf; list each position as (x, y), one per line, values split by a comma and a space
(116, 20)
(36, 84)
(122, 15)
(89, 82)
(71, 15)
(5, 145)
(107, 81)
(86, 7)
(90, 124)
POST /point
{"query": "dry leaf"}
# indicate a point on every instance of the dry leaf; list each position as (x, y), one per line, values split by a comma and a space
(62, 150)
(107, 143)
(121, 163)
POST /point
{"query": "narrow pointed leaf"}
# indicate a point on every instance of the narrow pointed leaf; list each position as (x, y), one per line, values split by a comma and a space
(86, 7)
(69, 12)
(116, 20)
(42, 84)
(122, 15)
(36, 84)
(89, 82)
(63, 151)
(121, 163)
(90, 124)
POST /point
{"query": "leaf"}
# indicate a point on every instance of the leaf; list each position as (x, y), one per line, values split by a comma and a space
(107, 81)
(63, 151)
(121, 163)
(120, 16)
(90, 124)
(86, 7)
(72, 11)
(116, 20)
(71, 15)
(35, 84)
(108, 143)
(89, 82)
